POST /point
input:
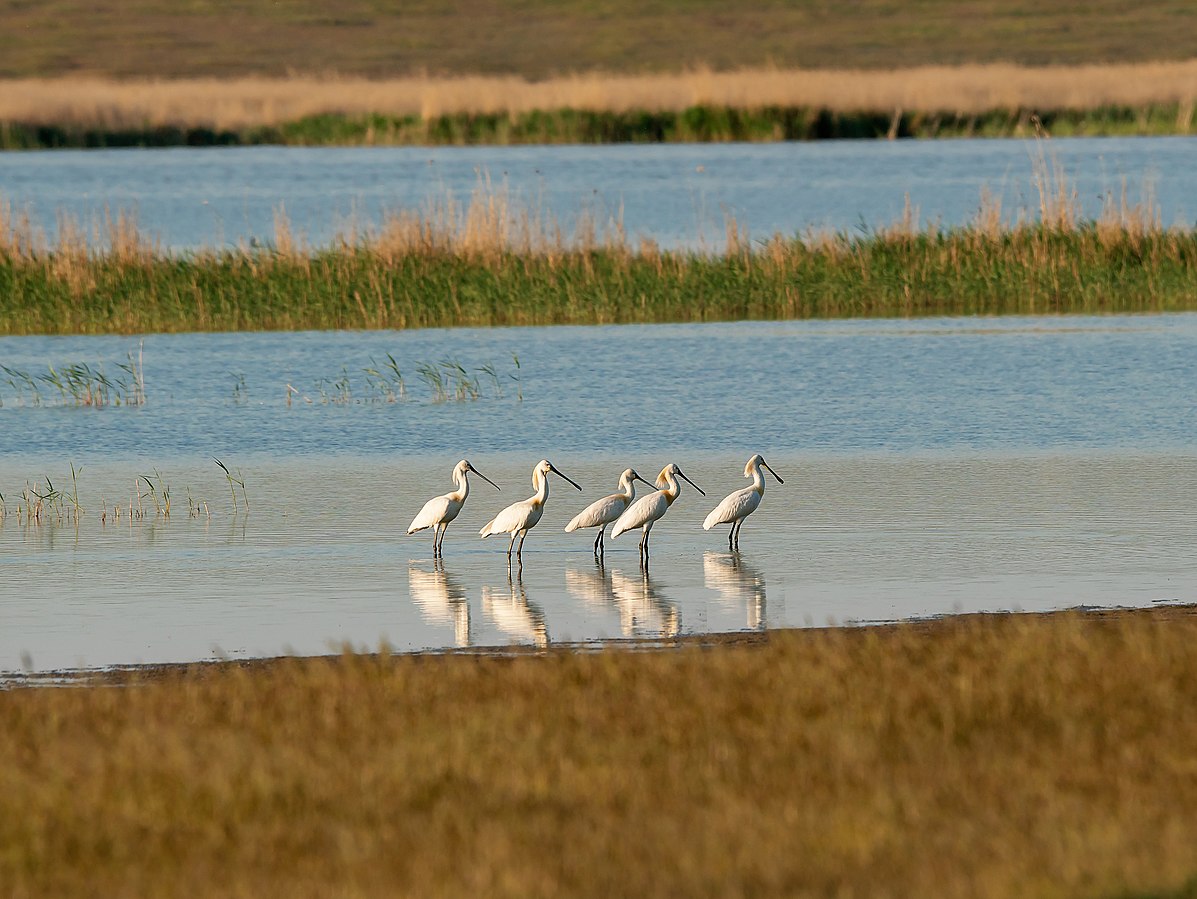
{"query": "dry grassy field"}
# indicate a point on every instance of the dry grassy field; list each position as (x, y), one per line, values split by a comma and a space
(534, 39)
(975, 756)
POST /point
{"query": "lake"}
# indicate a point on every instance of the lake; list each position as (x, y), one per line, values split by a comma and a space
(678, 194)
(931, 467)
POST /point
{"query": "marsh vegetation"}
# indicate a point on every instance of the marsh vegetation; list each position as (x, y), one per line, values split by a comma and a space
(495, 261)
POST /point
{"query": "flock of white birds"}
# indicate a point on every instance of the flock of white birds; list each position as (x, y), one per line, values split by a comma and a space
(620, 509)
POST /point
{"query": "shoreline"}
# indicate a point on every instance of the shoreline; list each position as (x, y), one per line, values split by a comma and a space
(929, 627)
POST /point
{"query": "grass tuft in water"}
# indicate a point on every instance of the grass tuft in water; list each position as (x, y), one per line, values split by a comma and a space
(78, 384)
(238, 480)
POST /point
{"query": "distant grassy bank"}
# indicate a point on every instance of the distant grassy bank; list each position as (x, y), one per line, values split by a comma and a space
(744, 105)
(976, 756)
(695, 124)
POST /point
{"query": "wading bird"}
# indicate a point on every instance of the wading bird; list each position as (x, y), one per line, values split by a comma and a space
(440, 510)
(601, 513)
(739, 505)
(521, 517)
(644, 512)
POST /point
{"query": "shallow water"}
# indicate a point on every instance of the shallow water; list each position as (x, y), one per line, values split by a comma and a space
(931, 467)
(678, 194)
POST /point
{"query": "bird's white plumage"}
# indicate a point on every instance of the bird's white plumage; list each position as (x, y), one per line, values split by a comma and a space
(438, 510)
(516, 517)
(519, 518)
(644, 512)
(737, 506)
(734, 507)
(604, 511)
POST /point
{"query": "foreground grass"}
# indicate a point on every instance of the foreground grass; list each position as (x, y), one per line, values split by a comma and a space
(982, 756)
(1031, 270)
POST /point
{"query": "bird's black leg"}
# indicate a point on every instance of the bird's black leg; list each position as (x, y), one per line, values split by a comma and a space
(511, 546)
(729, 536)
(520, 552)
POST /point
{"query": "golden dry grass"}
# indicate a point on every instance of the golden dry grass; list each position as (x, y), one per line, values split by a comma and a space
(247, 102)
(981, 756)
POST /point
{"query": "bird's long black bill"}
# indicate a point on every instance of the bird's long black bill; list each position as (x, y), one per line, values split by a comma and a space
(553, 469)
(765, 465)
(691, 483)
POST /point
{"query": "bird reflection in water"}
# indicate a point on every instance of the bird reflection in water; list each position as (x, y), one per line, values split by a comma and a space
(643, 611)
(442, 600)
(738, 584)
(513, 614)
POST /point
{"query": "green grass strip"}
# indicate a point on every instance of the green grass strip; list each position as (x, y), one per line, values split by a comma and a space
(574, 126)
(1087, 269)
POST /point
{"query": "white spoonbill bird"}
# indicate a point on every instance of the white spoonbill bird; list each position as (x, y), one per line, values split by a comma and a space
(440, 510)
(645, 511)
(519, 518)
(739, 505)
(601, 513)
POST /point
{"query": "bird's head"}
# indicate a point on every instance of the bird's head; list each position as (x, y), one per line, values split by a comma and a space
(629, 475)
(544, 466)
(758, 461)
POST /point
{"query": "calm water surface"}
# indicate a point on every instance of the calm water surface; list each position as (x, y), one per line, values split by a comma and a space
(932, 466)
(678, 194)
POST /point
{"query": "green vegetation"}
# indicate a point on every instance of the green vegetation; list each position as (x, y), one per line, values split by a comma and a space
(1028, 270)
(974, 756)
(78, 384)
(533, 38)
(490, 262)
(573, 126)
